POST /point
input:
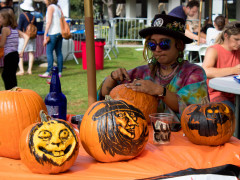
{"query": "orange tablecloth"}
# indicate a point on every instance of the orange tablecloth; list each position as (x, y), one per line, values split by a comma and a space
(180, 154)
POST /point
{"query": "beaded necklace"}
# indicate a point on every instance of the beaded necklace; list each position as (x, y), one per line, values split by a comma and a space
(165, 80)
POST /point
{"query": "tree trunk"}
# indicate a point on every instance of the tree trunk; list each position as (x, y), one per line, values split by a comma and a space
(109, 4)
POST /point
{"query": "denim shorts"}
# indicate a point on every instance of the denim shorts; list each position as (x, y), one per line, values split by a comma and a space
(31, 45)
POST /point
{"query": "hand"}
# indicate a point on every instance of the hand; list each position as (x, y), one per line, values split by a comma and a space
(46, 40)
(120, 75)
(145, 86)
(236, 69)
(202, 40)
(21, 54)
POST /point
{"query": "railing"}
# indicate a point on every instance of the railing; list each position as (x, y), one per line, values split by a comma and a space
(127, 29)
(114, 30)
(124, 29)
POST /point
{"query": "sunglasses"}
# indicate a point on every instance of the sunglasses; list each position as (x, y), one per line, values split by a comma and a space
(164, 44)
(237, 25)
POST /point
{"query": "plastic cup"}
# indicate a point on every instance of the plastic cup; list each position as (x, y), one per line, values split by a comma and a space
(161, 124)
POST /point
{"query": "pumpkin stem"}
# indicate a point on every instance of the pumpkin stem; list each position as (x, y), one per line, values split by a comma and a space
(15, 88)
(108, 97)
(44, 116)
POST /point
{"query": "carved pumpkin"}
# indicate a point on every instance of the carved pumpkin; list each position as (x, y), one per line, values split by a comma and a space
(209, 124)
(19, 109)
(113, 130)
(49, 147)
(146, 103)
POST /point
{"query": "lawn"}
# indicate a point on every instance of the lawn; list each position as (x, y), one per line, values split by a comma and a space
(74, 79)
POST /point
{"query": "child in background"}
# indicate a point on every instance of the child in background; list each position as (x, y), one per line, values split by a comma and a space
(195, 29)
(9, 40)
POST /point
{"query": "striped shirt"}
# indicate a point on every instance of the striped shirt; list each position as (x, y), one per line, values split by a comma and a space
(11, 43)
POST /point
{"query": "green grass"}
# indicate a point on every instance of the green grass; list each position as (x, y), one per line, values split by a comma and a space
(74, 79)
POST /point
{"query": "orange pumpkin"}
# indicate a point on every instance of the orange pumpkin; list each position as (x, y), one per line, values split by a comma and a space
(209, 124)
(113, 130)
(49, 147)
(19, 109)
(146, 103)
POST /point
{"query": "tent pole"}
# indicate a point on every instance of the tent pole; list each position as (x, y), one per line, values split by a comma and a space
(199, 22)
(210, 12)
(90, 51)
(226, 12)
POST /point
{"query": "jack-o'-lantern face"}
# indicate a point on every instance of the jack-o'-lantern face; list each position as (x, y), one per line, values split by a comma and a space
(122, 128)
(208, 124)
(206, 120)
(126, 123)
(52, 141)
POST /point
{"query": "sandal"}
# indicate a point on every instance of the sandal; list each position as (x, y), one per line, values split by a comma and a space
(19, 73)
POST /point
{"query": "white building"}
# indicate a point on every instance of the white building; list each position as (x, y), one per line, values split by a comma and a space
(148, 8)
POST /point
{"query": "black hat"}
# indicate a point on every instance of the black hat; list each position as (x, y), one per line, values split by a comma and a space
(167, 25)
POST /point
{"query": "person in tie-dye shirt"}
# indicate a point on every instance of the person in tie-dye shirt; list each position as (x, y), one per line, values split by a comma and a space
(175, 81)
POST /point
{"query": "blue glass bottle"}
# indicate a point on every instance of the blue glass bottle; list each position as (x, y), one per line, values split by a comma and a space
(55, 100)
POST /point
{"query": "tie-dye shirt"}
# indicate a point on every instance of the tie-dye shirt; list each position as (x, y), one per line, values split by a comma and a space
(189, 83)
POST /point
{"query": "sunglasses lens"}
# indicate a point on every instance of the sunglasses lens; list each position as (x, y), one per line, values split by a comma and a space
(237, 25)
(165, 44)
(151, 46)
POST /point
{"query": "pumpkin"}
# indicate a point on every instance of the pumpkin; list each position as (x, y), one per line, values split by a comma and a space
(49, 147)
(146, 103)
(113, 130)
(19, 109)
(208, 124)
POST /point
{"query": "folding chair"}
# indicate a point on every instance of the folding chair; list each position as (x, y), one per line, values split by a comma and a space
(202, 52)
(110, 44)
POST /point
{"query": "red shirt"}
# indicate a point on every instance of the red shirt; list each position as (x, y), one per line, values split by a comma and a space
(225, 59)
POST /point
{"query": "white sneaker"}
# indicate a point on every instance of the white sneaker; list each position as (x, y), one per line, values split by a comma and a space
(44, 75)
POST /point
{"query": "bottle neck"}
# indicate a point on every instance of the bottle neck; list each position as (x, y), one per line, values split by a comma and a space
(55, 85)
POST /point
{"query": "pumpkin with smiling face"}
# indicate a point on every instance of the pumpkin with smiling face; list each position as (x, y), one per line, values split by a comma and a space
(113, 130)
(49, 147)
(209, 124)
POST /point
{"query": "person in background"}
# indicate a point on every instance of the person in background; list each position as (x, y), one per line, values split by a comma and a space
(53, 30)
(183, 12)
(9, 41)
(7, 4)
(223, 59)
(195, 29)
(207, 24)
(26, 7)
(212, 33)
(176, 82)
(39, 18)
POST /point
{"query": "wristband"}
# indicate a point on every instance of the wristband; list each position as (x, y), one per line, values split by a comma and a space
(164, 92)
(112, 76)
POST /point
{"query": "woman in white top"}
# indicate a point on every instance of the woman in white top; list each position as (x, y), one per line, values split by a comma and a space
(53, 30)
(212, 33)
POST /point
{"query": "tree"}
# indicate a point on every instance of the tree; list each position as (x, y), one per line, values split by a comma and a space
(109, 4)
(77, 8)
